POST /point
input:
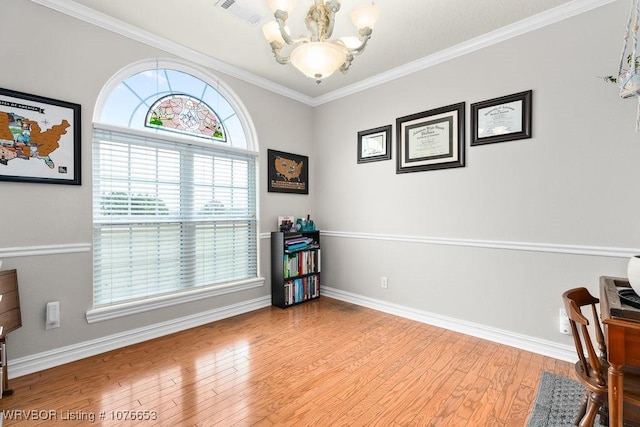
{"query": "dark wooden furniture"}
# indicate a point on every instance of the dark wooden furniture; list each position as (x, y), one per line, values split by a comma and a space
(295, 268)
(10, 320)
(591, 367)
(622, 334)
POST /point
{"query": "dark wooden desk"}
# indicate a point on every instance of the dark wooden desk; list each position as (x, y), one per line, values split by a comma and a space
(10, 320)
(622, 333)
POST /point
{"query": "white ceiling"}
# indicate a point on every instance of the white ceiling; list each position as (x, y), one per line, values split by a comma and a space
(409, 35)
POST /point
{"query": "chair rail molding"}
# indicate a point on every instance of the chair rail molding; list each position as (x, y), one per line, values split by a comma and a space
(603, 251)
(22, 251)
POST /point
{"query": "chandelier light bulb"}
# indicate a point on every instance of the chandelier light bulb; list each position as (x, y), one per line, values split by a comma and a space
(271, 31)
(351, 42)
(284, 5)
(365, 16)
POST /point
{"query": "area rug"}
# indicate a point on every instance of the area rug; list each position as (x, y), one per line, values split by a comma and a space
(557, 402)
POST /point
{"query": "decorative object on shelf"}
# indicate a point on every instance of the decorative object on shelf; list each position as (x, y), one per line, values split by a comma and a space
(633, 273)
(39, 139)
(286, 223)
(288, 173)
(501, 119)
(374, 144)
(314, 54)
(628, 78)
(431, 140)
(305, 224)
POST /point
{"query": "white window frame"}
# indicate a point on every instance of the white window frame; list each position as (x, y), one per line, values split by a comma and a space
(97, 314)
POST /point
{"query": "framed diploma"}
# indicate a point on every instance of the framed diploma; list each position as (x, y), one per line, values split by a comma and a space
(501, 119)
(374, 144)
(431, 140)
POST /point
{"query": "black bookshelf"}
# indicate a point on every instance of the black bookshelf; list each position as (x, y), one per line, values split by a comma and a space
(295, 267)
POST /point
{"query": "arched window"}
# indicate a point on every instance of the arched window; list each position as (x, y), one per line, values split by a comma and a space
(174, 190)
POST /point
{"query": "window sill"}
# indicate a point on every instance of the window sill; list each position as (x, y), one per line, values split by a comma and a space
(128, 308)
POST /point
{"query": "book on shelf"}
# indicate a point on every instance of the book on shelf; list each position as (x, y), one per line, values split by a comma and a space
(301, 263)
(302, 289)
(297, 246)
(297, 240)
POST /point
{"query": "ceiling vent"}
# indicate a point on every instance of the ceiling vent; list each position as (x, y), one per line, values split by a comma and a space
(241, 10)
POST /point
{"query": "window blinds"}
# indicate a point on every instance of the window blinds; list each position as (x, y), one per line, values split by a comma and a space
(169, 216)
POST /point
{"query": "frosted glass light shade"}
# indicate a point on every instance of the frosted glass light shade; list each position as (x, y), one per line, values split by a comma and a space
(365, 16)
(284, 5)
(351, 42)
(271, 31)
(318, 60)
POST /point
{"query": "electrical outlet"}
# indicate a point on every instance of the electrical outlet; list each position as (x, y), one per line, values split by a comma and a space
(52, 314)
(565, 328)
(384, 283)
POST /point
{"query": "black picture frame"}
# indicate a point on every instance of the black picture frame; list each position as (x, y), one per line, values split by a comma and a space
(507, 118)
(39, 139)
(431, 140)
(287, 172)
(374, 144)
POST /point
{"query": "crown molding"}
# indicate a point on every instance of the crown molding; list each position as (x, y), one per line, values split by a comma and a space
(551, 16)
(117, 26)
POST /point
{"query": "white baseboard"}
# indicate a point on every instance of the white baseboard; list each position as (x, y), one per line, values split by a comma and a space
(524, 342)
(41, 361)
(45, 360)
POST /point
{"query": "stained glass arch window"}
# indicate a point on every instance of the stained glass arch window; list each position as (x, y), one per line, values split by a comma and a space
(187, 115)
(174, 190)
(134, 93)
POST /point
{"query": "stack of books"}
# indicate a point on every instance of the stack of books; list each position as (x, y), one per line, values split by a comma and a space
(299, 243)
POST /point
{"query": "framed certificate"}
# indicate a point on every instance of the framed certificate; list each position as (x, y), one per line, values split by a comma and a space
(431, 140)
(374, 144)
(501, 119)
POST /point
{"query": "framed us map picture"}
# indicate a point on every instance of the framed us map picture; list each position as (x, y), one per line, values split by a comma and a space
(288, 173)
(39, 139)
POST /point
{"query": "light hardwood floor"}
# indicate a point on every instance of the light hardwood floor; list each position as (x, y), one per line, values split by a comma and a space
(323, 363)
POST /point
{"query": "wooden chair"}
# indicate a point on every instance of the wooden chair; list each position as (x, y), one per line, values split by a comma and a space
(592, 367)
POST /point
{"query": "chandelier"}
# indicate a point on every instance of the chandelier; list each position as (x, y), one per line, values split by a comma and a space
(629, 68)
(314, 54)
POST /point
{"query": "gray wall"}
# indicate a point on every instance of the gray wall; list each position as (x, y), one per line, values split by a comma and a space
(63, 58)
(573, 183)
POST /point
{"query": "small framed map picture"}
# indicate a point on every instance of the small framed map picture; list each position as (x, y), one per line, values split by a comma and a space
(288, 173)
(39, 139)
(374, 144)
